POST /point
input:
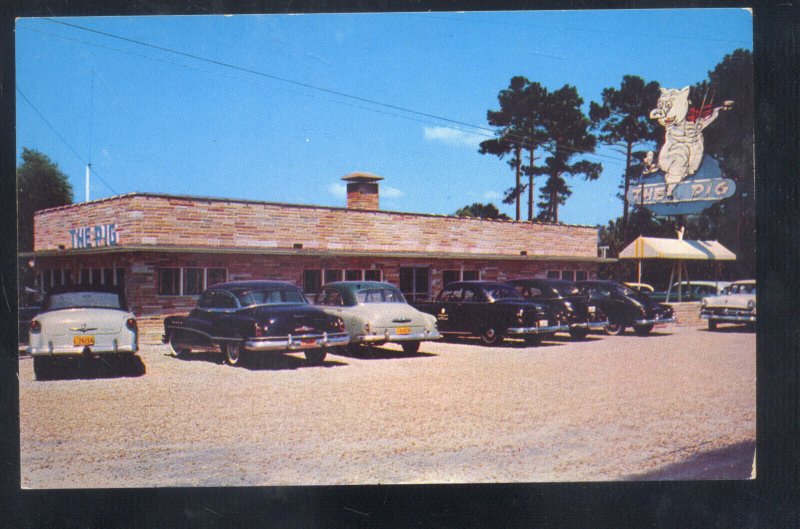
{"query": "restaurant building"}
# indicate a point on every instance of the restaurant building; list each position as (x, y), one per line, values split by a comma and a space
(165, 250)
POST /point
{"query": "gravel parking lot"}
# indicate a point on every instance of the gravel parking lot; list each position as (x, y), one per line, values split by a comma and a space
(607, 408)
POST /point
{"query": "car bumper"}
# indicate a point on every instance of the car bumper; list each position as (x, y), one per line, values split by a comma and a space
(656, 321)
(591, 325)
(537, 330)
(388, 337)
(296, 343)
(50, 349)
(732, 318)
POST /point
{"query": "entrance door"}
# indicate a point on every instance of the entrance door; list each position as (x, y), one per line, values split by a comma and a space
(415, 282)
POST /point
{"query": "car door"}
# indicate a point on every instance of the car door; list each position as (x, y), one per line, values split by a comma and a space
(601, 296)
(474, 310)
(448, 310)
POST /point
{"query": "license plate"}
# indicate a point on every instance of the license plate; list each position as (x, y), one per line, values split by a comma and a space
(308, 341)
(403, 330)
(543, 323)
(592, 310)
(83, 340)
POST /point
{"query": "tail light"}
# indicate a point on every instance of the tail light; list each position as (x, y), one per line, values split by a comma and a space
(35, 327)
(131, 324)
(338, 325)
(259, 330)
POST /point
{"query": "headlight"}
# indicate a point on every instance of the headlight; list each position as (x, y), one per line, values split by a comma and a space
(131, 324)
(751, 304)
(568, 305)
(35, 327)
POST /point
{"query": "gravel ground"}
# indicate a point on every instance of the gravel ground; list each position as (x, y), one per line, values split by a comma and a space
(608, 408)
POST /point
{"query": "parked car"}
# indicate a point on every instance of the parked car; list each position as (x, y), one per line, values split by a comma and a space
(564, 297)
(81, 322)
(737, 304)
(691, 290)
(375, 313)
(24, 316)
(255, 317)
(491, 310)
(626, 307)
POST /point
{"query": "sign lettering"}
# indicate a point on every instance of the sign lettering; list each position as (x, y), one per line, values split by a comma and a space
(94, 236)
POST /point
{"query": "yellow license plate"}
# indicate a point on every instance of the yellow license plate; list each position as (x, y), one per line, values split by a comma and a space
(83, 340)
(403, 330)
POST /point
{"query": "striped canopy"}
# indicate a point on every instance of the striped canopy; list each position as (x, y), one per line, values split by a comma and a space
(677, 249)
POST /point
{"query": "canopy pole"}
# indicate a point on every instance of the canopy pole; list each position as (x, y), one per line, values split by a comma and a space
(639, 277)
(680, 281)
(671, 276)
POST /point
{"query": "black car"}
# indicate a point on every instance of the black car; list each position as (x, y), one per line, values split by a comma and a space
(255, 316)
(566, 299)
(491, 310)
(626, 307)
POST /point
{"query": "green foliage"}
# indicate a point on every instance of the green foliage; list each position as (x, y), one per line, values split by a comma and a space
(482, 211)
(40, 185)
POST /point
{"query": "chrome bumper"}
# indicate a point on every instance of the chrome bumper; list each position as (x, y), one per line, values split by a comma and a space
(537, 330)
(658, 321)
(296, 343)
(77, 350)
(591, 325)
(387, 337)
(729, 318)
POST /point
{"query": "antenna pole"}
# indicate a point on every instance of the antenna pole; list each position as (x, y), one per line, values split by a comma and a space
(88, 170)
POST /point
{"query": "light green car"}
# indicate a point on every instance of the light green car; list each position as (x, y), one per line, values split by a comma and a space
(376, 313)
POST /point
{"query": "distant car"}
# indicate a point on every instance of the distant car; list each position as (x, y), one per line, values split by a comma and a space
(691, 290)
(641, 287)
(564, 297)
(737, 304)
(255, 317)
(491, 310)
(376, 313)
(626, 307)
(79, 322)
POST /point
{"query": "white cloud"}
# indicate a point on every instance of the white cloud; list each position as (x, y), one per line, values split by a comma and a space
(391, 192)
(338, 190)
(453, 136)
(492, 195)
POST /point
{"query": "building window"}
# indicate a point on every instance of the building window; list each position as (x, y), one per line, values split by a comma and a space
(553, 274)
(312, 280)
(169, 281)
(192, 281)
(569, 275)
(96, 276)
(581, 275)
(415, 282)
(85, 276)
(372, 275)
(470, 275)
(215, 276)
(119, 277)
(352, 275)
(108, 276)
(66, 277)
(450, 276)
(333, 275)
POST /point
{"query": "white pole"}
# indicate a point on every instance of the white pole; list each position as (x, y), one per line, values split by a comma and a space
(88, 169)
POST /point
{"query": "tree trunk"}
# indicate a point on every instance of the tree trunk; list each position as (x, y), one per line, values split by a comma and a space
(554, 205)
(627, 186)
(530, 187)
(518, 160)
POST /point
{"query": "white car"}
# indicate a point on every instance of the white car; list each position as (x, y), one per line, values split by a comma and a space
(737, 304)
(82, 322)
(375, 313)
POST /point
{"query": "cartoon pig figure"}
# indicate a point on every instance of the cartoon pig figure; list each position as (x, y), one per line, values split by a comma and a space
(683, 143)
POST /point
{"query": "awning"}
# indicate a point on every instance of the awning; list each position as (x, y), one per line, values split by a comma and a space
(676, 249)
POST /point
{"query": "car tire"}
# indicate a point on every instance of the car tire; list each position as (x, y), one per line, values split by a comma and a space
(642, 330)
(532, 340)
(233, 353)
(712, 325)
(615, 329)
(578, 333)
(42, 368)
(411, 348)
(490, 336)
(176, 350)
(315, 357)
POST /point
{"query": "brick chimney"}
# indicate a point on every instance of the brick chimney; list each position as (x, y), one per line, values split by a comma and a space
(362, 190)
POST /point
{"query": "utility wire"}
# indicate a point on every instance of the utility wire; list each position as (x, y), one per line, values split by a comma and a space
(64, 140)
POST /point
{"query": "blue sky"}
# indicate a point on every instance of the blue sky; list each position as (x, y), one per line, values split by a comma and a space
(277, 127)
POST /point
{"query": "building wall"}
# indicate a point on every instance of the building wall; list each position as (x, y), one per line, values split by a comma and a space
(141, 269)
(162, 221)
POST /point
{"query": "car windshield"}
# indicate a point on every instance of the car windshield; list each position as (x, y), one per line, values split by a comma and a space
(270, 296)
(503, 292)
(631, 293)
(380, 295)
(744, 288)
(567, 289)
(94, 300)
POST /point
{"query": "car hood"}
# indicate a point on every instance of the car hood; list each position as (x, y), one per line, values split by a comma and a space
(732, 300)
(389, 314)
(94, 321)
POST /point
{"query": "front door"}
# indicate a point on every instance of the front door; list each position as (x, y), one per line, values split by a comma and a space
(415, 282)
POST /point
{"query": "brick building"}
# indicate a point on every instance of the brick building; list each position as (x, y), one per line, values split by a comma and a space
(166, 250)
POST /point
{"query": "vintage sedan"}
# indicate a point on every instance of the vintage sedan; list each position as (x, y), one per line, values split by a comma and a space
(376, 313)
(626, 307)
(737, 304)
(255, 317)
(564, 297)
(491, 310)
(81, 322)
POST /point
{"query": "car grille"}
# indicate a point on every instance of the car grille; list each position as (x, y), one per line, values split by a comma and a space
(719, 311)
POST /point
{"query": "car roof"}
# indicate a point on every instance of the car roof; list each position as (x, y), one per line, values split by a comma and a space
(744, 282)
(478, 283)
(358, 285)
(252, 283)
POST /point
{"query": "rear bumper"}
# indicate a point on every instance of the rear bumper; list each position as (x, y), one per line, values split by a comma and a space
(656, 321)
(296, 343)
(563, 327)
(49, 349)
(591, 325)
(732, 318)
(388, 337)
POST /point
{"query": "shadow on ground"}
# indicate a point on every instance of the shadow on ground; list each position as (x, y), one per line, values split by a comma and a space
(378, 353)
(734, 328)
(92, 368)
(732, 462)
(258, 362)
(506, 344)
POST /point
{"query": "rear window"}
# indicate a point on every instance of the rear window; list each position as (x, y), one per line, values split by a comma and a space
(503, 292)
(93, 300)
(270, 297)
(380, 295)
